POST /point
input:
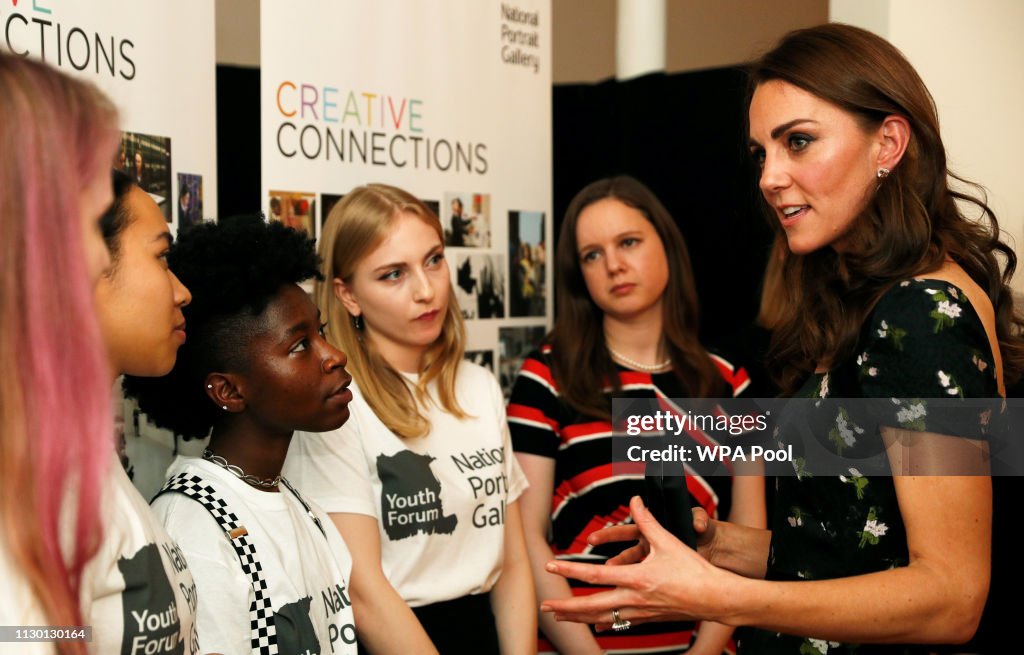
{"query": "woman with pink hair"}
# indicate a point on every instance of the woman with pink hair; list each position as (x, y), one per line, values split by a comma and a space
(57, 137)
(78, 545)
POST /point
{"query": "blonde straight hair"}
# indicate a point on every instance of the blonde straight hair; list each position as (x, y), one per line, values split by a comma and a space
(354, 228)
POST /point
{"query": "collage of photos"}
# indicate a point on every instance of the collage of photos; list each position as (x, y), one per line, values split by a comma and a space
(147, 159)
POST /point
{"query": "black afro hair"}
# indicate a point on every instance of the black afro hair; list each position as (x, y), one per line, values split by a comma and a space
(233, 269)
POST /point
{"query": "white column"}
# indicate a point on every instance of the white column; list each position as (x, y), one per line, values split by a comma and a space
(639, 38)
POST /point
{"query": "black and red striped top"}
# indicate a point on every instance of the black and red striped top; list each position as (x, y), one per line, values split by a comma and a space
(588, 495)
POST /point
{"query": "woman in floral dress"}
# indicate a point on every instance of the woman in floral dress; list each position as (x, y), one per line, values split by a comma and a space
(895, 296)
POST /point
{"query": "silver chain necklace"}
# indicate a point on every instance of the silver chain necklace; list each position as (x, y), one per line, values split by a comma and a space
(252, 480)
(632, 363)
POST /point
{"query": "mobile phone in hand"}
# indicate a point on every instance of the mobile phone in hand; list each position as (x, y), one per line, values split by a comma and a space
(668, 499)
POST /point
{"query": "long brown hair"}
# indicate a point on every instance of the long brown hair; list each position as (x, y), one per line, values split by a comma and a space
(355, 226)
(910, 225)
(581, 363)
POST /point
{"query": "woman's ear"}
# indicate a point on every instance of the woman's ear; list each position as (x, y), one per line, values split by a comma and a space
(224, 391)
(343, 292)
(894, 137)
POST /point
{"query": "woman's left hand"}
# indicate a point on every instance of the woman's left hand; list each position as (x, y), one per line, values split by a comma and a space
(672, 583)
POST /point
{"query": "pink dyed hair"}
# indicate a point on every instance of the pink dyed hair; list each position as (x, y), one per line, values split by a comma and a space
(57, 134)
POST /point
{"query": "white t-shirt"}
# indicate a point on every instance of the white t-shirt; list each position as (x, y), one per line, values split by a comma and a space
(18, 607)
(305, 572)
(439, 500)
(137, 592)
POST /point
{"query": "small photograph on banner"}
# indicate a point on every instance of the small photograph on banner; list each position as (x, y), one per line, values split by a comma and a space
(190, 199)
(526, 258)
(514, 344)
(469, 220)
(484, 358)
(295, 209)
(327, 203)
(147, 159)
(480, 286)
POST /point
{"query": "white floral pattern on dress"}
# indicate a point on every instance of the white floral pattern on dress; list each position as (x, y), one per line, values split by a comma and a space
(858, 481)
(813, 646)
(922, 341)
(873, 529)
(912, 415)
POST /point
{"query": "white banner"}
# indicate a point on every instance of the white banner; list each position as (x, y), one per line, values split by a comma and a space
(450, 100)
(156, 61)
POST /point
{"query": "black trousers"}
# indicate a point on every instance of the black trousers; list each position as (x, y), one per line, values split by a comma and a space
(463, 625)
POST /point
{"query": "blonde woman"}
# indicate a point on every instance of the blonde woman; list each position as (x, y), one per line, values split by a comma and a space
(421, 481)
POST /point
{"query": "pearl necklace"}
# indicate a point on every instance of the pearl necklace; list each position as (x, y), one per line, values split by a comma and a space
(252, 480)
(635, 365)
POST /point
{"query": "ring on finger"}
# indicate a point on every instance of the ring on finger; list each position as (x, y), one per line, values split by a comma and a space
(618, 625)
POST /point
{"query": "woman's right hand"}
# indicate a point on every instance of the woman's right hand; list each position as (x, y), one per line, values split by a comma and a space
(703, 525)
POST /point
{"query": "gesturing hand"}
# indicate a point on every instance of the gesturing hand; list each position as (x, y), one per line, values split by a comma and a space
(659, 579)
(703, 525)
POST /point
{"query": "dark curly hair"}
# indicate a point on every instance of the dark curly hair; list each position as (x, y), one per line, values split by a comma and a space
(233, 269)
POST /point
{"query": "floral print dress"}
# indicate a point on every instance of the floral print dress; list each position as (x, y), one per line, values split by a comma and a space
(923, 342)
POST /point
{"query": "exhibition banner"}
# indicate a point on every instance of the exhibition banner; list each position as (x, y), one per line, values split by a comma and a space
(156, 61)
(450, 100)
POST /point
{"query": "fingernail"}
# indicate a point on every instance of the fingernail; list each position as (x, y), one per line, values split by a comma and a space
(550, 567)
(545, 607)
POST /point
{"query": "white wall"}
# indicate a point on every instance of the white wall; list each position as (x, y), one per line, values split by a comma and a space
(971, 57)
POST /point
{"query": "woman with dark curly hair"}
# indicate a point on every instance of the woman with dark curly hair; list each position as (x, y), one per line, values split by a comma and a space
(256, 368)
(900, 297)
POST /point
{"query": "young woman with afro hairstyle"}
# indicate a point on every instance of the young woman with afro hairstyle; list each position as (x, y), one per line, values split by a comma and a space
(255, 369)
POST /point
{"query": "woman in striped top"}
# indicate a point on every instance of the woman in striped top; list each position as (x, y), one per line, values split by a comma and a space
(626, 327)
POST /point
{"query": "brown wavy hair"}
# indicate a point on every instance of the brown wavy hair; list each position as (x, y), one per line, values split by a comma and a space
(580, 361)
(355, 226)
(910, 225)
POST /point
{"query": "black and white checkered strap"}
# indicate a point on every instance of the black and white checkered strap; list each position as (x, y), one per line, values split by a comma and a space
(263, 636)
